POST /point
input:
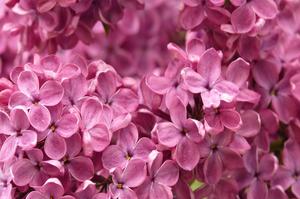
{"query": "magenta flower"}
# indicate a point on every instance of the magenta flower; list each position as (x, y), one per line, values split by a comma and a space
(223, 116)
(218, 156)
(16, 127)
(287, 175)
(162, 175)
(36, 98)
(34, 170)
(51, 189)
(183, 133)
(207, 80)
(128, 148)
(259, 168)
(62, 125)
(133, 175)
(96, 135)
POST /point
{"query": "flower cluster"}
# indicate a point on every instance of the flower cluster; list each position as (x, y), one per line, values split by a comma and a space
(117, 99)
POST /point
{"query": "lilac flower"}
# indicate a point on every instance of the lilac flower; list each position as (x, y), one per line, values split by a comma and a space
(16, 126)
(207, 80)
(132, 176)
(36, 98)
(162, 175)
(128, 148)
(34, 170)
(218, 156)
(287, 175)
(183, 133)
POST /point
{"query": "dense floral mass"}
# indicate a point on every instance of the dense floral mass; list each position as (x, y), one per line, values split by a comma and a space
(149, 99)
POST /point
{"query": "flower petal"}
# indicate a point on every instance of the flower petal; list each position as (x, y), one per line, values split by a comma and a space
(51, 93)
(28, 83)
(168, 134)
(81, 168)
(266, 9)
(8, 148)
(67, 125)
(113, 157)
(39, 117)
(243, 19)
(55, 146)
(213, 168)
(135, 173)
(187, 154)
(18, 169)
(168, 173)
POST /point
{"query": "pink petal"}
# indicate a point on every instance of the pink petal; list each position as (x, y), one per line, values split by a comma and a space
(143, 148)
(195, 48)
(91, 111)
(296, 189)
(230, 158)
(28, 83)
(193, 81)
(51, 93)
(285, 107)
(39, 117)
(250, 124)
(277, 192)
(69, 71)
(238, 72)
(100, 138)
(187, 154)
(81, 168)
(267, 166)
(113, 157)
(230, 119)
(106, 84)
(191, 17)
(36, 195)
(243, 19)
(5, 126)
(257, 189)
(227, 90)
(194, 129)
(55, 146)
(168, 134)
(265, 74)
(209, 66)
(19, 119)
(158, 84)
(160, 191)
(124, 101)
(50, 63)
(177, 111)
(53, 187)
(28, 139)
(45, 6)
(295, 86)
(18, 98)
(73, 145)
(135, 173)
(22, 178)
(67, 125)
(213, 169)
(283, 177)
(128, 136)
(168, 173)
(266, 9)
(8, 148)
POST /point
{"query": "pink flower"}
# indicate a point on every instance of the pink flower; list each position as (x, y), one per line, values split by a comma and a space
(208, 81)
(36, 98)
(132, 176)
(16, 126)
(183, 133)
(128, 148)
(162, 175)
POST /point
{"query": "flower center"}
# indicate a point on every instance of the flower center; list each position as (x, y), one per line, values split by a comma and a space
(120, 186)
(53, 128)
